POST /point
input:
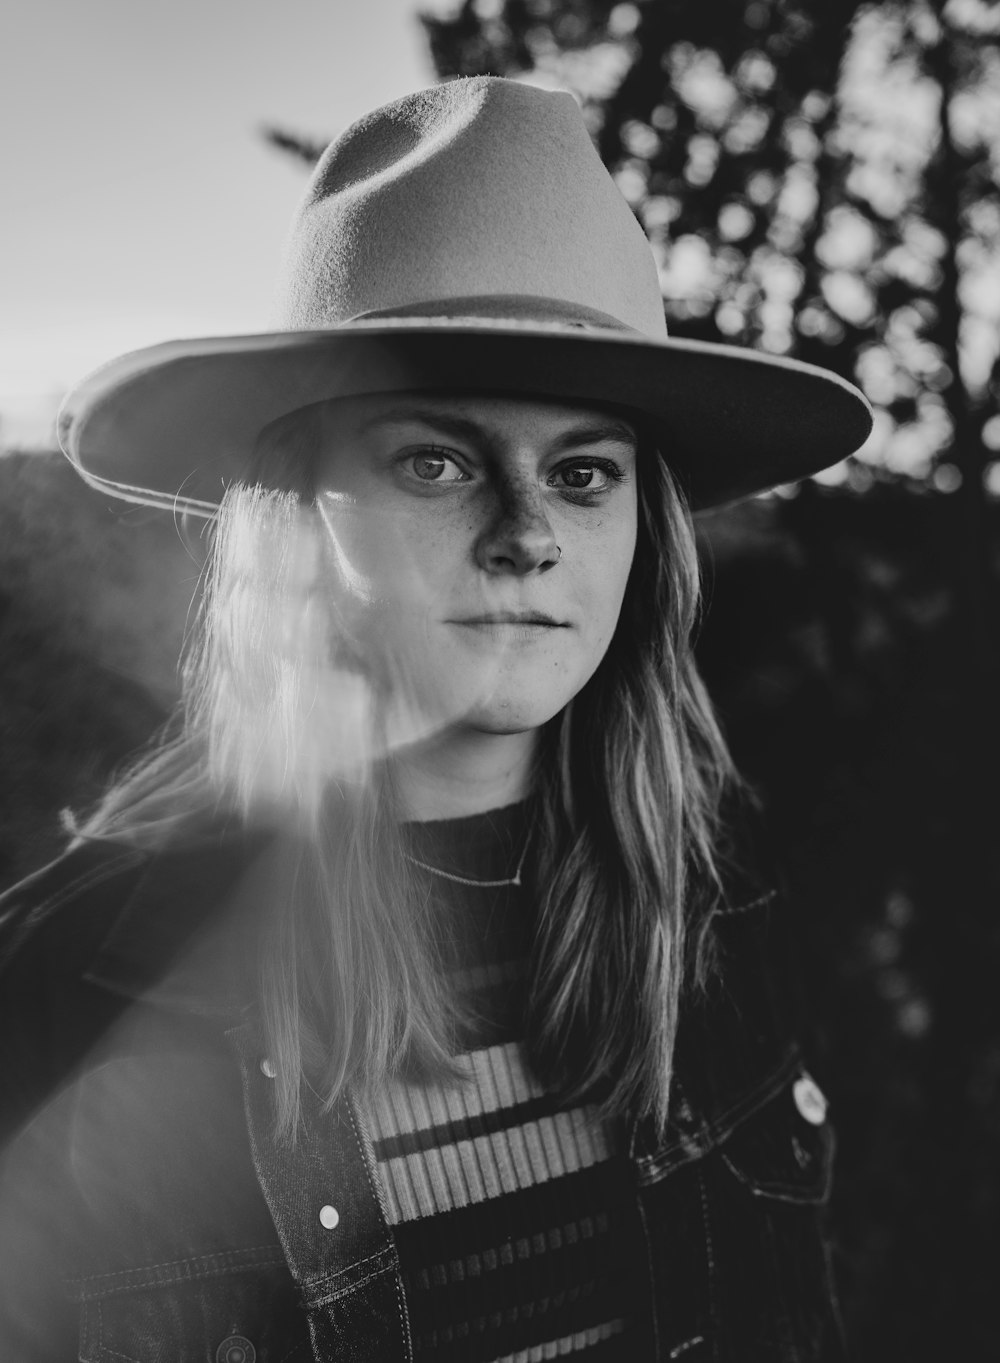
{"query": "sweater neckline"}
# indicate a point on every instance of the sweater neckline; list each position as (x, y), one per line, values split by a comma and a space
(479, 847)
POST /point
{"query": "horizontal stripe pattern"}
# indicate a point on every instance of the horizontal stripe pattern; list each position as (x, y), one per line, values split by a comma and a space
(491, 1078)
(440, 1149)
(507, 1210)
(558, 1348)
(514, 1214)
(558, 1215)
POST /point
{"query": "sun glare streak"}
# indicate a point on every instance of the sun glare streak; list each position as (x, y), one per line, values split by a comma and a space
(336, 640)
(327, 649)
(385, 620)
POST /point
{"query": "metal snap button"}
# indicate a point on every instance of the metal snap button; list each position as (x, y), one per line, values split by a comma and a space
(329, 1217)
(267, 1068)
(235, 1349)
(809, 1100)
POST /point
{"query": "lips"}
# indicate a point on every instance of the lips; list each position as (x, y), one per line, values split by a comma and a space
(538, 618)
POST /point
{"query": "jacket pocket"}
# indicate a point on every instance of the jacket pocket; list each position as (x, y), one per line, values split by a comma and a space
(785, 1149)
(238, 1307)
(767, 1186)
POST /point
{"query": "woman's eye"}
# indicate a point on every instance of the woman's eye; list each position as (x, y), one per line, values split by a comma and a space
(434, 466)
(589, 477)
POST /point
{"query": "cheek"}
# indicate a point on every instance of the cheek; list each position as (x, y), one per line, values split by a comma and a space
(389, 561)
(605, 562)
(390, 582)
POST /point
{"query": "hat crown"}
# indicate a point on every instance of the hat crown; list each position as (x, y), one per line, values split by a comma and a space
(466, 238)
(479, 189)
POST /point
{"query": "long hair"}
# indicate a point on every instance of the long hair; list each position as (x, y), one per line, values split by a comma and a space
(630, 783)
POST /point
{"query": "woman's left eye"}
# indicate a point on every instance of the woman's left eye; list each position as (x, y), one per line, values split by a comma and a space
(435, 466)
(586, 476)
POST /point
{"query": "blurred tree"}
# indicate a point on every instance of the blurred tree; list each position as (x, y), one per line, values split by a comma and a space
(301, 147)
(818, 179)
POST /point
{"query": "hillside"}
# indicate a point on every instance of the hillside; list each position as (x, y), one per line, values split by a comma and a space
(93, 601)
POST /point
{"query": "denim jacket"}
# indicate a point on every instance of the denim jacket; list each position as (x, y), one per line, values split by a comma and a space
(149, 1214)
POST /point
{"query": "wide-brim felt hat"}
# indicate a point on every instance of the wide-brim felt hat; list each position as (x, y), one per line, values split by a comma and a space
(464, 239)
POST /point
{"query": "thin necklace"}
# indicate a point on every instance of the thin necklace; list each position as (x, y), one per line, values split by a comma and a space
(515, 879)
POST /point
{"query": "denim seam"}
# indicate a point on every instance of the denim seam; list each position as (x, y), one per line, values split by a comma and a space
(87, 1326)
(644, 1223)
(328, 1280)
(228, 1261)
(757, 903)
(785, 1192)
(108, 1353)
(357, 1263)
(706, 1221)
(404, 1317)
(709, 1250)
(651, 1170)
(375, 1190)
(330, 1297)
(791, 1192)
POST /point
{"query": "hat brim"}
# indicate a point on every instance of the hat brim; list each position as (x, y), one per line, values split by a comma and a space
(175, 424)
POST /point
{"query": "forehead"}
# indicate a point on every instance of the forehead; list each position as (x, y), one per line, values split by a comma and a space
(486, 414)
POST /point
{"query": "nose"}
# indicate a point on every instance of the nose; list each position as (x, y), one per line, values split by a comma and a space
(518, 539)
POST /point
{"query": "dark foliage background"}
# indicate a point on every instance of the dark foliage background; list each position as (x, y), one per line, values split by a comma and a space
(94, 599)
(818, 178)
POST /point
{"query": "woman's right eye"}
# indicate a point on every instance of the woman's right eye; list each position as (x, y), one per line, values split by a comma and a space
(435, 466)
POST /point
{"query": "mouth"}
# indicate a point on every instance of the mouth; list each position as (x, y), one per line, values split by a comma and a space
(517, 619)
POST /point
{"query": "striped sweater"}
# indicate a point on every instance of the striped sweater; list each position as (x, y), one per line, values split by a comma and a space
(513, 1213)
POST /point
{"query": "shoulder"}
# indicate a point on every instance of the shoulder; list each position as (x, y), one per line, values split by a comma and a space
(739, 1030)
(748, 860)
(86, 937)
(52, 924)
(59, 912)
(74, 902)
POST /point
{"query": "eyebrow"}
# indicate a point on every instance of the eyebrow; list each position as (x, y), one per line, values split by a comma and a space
(589, 431)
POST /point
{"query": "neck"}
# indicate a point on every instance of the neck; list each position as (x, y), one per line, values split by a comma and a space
(463, 772)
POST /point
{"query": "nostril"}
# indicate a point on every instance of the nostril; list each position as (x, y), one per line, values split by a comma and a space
(520, 545)
(523, 557)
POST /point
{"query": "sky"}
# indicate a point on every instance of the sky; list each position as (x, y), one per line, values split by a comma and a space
(138, 201)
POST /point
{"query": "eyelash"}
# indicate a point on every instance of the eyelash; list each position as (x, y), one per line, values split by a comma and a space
(612, 471)
(434, 452)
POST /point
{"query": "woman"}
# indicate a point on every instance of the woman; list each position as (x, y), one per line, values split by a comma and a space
(411, 998)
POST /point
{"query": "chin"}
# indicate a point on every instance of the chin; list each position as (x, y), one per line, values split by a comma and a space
(511, 716)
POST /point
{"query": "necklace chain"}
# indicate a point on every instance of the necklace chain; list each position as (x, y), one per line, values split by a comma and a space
(515, 879)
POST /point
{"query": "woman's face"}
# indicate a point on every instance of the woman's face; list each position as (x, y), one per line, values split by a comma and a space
(483, 547)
